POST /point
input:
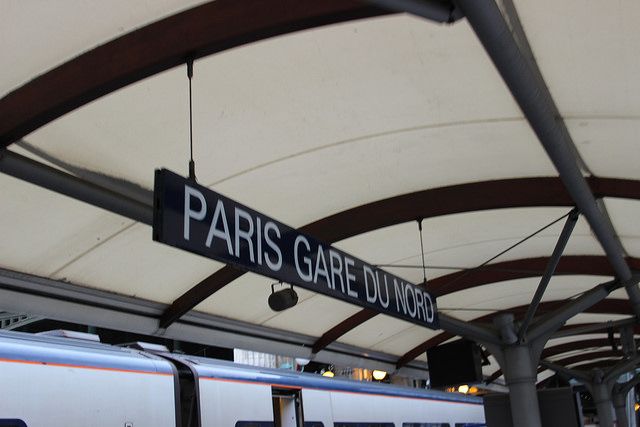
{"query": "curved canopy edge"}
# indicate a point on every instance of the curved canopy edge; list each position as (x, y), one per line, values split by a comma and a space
(198, 32)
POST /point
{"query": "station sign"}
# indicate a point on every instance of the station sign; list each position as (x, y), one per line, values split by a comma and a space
(194, 218)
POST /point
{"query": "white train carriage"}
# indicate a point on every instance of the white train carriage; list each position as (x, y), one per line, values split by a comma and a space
(55, 382)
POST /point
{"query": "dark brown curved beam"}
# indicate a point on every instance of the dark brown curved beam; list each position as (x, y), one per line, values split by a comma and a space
(201, 31)
(493, 273)
(500, 194)
(602, 364)
(606, 306)
(568, 347)
(565, 348)
(578, 358)
(342, 328)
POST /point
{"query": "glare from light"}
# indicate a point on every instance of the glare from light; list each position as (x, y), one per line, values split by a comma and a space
(473, 390)
(636, 406)
(463, 389)
(328, 374)
(302, 362)
(379, 375)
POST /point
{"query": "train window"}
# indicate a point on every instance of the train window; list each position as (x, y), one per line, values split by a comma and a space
(363, 425)
(426, 425)
(12, 423)
(254, 424)
(313, 424)
(470, 425)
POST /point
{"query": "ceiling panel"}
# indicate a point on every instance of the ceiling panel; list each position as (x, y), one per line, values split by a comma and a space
(624, 216)
(314, 316)
(376, 332)
(513, 293)
(468, 239)
(132, 264)
(314, 114)
(38, 35)
(591, 61)
(42, 232)
(609, 146)
(246, 299)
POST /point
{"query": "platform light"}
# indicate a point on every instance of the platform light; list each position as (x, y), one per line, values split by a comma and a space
(328, 374)
(473, 390)
(379, 375)
(463, 389)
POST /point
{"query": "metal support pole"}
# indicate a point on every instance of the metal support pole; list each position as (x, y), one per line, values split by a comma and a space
(601, 393)
(522, 78)
(55, 180)
(620, 400)
(520, 375)
(549, 270)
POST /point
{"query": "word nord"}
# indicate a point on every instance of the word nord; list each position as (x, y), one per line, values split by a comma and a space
(199, 220)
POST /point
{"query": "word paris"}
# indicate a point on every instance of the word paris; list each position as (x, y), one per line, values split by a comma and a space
(194, 218)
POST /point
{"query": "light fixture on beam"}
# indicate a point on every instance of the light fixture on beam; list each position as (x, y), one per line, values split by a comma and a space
(282, 299)
(379, 375)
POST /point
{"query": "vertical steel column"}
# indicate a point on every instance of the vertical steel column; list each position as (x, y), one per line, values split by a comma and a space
(601, 392)
(620, 407)
(624, 399)
(520, 374)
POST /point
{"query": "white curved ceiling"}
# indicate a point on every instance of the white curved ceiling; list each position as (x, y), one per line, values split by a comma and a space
(313, 123)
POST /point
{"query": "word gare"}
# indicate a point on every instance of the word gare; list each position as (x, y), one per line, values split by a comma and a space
(192, 217)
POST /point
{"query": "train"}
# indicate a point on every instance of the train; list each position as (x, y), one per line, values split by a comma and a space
(50, 381)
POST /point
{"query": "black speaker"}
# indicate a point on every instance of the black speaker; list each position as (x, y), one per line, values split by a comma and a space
(459, 362)
(283, 299)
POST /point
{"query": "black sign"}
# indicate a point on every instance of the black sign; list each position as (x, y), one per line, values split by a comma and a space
(194, 218)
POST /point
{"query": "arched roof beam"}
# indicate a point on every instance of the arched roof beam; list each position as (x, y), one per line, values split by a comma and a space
(486, 195)
(578, 358)
(492, 273)
(605, 306)
(210, 28)
(569, 347)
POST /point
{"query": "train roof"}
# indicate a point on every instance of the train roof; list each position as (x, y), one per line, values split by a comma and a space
(219, 369)
(56, 351)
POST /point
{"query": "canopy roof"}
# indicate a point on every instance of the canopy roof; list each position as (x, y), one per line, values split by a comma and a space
(335, 117)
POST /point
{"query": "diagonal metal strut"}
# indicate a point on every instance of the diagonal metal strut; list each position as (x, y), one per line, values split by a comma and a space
(549, 271)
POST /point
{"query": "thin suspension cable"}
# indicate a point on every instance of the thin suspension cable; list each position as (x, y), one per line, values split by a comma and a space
(467, 272)
(444, 267)
(424, 269)
(192, 166)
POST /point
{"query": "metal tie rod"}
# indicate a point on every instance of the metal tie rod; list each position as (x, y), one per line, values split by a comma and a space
(44, 176)
(536, 102)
